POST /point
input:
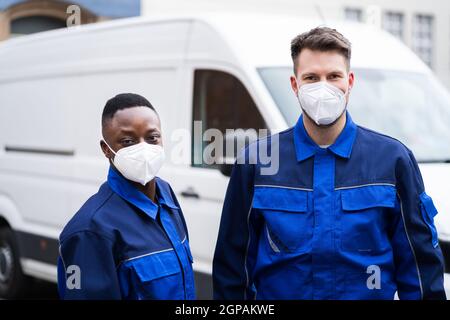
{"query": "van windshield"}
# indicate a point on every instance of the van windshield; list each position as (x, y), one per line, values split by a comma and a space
(412, 107)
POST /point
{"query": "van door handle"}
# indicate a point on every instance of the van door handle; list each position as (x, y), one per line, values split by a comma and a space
(190, 193)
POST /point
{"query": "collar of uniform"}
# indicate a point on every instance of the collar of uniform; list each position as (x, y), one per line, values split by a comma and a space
(131, 194)
(305, 147)
(164, 195)
(344, 143)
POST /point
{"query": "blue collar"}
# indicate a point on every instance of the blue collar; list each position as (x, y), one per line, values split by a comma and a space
(127, 191)
(305, 147)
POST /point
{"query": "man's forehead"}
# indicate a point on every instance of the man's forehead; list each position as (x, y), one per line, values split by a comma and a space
(135, 111)
(129, 118)
(320, 61)
(135, 114)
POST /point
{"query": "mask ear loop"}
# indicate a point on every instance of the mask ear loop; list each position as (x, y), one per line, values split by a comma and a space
(345, 97)
(299, 102)
(104, 140)
(298, 94)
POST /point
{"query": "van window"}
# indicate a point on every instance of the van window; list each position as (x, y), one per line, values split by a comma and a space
(221, 102)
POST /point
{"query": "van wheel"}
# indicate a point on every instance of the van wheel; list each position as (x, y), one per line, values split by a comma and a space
(13, 282)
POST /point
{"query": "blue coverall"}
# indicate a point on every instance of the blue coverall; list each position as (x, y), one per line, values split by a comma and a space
(126, 247)
(329, 222)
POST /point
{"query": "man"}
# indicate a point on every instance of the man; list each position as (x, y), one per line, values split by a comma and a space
(345, 217)
(128, 241)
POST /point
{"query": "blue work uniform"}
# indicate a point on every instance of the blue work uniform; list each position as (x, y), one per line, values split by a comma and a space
(350, 221)
(121, 245)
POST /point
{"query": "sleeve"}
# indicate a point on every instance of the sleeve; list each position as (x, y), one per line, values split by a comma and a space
(418, 258)
(87, 269)
(236, 246)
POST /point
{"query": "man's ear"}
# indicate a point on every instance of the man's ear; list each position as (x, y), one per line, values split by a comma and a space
(294, 85)
(351, 80)
(106, 151)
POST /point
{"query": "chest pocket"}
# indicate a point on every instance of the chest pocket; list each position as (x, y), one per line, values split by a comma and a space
(289, 224)
(364, 217)
(153, 276)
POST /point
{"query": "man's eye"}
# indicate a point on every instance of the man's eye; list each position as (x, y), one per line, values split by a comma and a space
(127, 141)
(153, 138)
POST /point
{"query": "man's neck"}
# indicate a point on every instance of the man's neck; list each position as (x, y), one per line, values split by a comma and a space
(149, 189)
(324, 135)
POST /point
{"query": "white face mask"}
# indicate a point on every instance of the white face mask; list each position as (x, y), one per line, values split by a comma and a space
(323, 102)
(139, 162)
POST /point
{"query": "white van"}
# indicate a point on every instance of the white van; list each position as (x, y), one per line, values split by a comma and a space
(229, 71)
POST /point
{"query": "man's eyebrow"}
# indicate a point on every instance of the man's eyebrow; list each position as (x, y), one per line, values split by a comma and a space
(336, 71)
(315, 74)
(131, 131)
(309, 74)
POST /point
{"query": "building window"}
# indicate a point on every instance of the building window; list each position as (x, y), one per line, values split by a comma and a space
(393, 23)
(28, 25)
(422, 40)
(353, 14)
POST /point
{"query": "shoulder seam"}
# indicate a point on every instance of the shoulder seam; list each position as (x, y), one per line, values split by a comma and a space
(266, 138)
(94, 213)
(383, 135)
(380, 134)
(86, 231)
(286, 131)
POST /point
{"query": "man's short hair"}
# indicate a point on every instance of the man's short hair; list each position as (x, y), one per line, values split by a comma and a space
(123, 101)
(321, 39)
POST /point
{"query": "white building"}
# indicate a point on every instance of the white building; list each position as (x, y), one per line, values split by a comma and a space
(423, 25)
